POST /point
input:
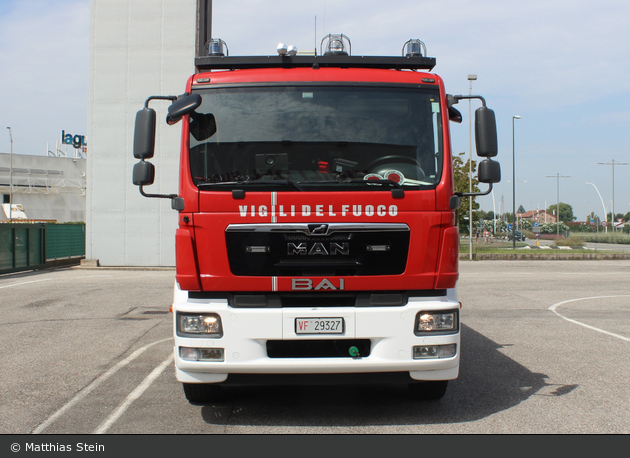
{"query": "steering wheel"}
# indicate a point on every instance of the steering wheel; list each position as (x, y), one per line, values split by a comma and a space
(393, 158)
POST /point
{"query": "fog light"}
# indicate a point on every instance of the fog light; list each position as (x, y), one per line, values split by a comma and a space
(434, 351)
(211, 354)
(448, 351)
(429, 351)
(188, 354)
(201, 354)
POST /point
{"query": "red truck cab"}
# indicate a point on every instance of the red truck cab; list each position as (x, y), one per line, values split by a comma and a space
(317, 230)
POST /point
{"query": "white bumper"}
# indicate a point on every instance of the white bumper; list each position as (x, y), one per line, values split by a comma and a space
(246, 331)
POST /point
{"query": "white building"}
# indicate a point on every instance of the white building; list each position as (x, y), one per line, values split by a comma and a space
(137, 49)
(45, 188)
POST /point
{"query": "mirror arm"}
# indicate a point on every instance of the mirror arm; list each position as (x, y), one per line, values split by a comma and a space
(454, 99)
(172, 98)
(159, 196)
(473, 194)
(177, 203)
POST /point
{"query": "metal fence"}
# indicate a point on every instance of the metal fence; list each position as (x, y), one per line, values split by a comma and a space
(27, 246)
(65, 241)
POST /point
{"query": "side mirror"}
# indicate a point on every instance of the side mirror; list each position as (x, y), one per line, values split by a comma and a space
(181, 107)
(144, 134)
(143, 173)
(489, 171)
(144, 142)
(202, 126)
(454, 115)
(486, 132)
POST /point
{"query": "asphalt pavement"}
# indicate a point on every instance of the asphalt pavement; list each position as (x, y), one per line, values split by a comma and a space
(544, 351)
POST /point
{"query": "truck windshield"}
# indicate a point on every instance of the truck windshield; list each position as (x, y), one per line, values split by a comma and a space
(317, 138)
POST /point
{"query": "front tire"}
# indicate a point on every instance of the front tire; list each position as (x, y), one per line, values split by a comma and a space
(202, 393)
(428, 391)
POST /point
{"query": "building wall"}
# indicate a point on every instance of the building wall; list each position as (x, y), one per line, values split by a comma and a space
(137, 49)
(48, 188)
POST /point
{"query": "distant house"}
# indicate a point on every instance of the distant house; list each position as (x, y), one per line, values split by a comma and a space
(540, 216)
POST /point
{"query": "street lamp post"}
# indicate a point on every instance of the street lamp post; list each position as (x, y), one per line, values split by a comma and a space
(513, 186)
(603, 206)
(612, 217)
(494, 215)
(557, 176)
(471, 78)
(11, 178)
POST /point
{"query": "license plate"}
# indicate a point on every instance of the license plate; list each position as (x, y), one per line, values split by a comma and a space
(319, 325)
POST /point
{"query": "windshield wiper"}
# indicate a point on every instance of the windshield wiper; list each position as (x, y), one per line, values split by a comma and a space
(254, 182)
(354, 181)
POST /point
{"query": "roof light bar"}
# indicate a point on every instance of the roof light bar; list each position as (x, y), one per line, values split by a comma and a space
(335, 51)
(215, 47)
(336, 45)
(414, 48)
(284, 50)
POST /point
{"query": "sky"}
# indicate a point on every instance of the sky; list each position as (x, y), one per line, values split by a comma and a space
(563, 66)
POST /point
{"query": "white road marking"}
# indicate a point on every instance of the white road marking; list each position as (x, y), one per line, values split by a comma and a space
(135, 394)
(24, 283)
(88, 389)
(593, 328)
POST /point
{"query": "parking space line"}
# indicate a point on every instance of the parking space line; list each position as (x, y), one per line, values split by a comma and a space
(135, 394)
(88, 389)
(593, 328)
(24, 283)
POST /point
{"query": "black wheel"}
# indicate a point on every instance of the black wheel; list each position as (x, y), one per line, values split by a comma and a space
(202, 393)
(428, 391)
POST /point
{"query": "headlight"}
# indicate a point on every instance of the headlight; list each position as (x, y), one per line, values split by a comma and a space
(199, 325)
(438, 322)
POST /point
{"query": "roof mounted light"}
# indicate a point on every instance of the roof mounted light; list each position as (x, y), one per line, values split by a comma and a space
(336, 45)
(414, 48)
(215, 47)
(285, 50)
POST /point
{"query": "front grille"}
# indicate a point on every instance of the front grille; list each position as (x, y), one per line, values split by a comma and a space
(291, 250)
(256, 299)
(340, 348)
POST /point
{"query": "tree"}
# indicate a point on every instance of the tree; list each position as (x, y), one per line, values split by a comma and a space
(618, 216)
(566, 212)
(552, 228)
(525, 224)
(461, 173)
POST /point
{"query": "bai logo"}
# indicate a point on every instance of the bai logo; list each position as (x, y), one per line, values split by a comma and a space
(306, 284)
(75, 140)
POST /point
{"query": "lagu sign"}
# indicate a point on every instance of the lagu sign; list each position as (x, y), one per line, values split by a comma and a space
(77, 141)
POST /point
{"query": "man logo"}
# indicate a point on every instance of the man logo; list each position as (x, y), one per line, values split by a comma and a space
(318, 249)
(306, 284)
(318, 229)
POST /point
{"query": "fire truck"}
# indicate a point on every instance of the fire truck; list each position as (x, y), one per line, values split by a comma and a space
(316, 240)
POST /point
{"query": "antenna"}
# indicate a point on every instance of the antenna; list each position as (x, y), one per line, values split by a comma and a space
(315, 40)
